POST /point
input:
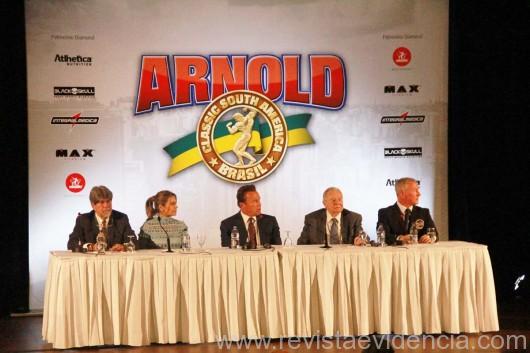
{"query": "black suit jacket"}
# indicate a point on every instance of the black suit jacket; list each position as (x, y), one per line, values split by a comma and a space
(269, 231)
(390, 218)
(86, 229)
(314, 231)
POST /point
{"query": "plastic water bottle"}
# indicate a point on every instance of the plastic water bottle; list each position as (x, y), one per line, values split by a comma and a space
(381, 235)
(234, 238)
(414, 233)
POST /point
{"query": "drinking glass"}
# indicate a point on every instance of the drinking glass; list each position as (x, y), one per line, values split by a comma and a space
(201, 239)
(287, 241)
(431, 232)
(364, 237)
(186, 243)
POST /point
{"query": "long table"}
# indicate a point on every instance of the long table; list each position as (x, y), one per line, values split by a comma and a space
(222, 294)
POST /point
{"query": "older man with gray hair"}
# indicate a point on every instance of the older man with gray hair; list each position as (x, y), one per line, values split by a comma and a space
(114, 224)
(338, 224)
(398, 218)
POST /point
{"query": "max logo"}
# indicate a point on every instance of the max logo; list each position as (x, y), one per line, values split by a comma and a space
(192, 79)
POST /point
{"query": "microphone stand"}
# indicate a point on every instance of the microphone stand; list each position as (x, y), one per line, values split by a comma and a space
(167, 236)
(326, 244)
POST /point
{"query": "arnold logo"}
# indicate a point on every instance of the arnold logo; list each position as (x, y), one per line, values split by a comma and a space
(75, 119)
(77, 60)
(74, 154)
(403, 152)
(74, 91)
(402, 89)
(404, 118)
(184, 80)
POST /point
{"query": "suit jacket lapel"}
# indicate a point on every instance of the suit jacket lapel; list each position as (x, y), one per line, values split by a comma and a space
(398, 221)
(94, 227)
(343, 228)
(321, 231)
(242, 228)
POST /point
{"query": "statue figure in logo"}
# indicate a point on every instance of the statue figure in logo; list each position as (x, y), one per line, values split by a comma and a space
(243, 124)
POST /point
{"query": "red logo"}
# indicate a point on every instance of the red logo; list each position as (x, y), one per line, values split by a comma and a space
(75, 182)
(402, 56)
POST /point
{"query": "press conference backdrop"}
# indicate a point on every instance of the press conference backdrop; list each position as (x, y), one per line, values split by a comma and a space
(85, 62)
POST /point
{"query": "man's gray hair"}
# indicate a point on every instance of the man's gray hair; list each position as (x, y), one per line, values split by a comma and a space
(99, 193)
(402, 183)
(328, 190)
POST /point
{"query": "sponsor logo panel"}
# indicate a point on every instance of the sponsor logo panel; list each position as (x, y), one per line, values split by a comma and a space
(75, 182)
(75, 119)
(73, 60)
(74, 154)
(74, 91)
(403, 152)
(404, 118)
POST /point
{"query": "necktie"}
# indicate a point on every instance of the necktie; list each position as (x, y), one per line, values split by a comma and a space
(407, 220)
(334, 232)
(252, 243)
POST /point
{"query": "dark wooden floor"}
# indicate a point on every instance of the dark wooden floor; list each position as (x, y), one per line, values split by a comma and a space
(23, 334)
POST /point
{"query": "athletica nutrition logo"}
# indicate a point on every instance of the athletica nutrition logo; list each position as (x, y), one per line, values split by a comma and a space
(75, 119)
(392, 182)
(402, 89)
(76, 60)
(402, 56)
(75, 182)
(74, 91)
(404, 118)
(403, 152)
(74, 154)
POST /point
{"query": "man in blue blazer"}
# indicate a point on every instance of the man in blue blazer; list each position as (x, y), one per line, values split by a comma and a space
(398, 218)
(255, 229)
(88, 225)
(319, 224)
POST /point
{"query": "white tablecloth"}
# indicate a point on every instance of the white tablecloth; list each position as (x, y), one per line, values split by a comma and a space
(151, 296)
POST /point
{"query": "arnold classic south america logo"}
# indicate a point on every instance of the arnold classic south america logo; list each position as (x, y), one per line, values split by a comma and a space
(242, 135)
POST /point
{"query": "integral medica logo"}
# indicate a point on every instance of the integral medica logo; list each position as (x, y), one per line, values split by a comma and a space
(76, 60)
(403, 152)
(75, 119)
(402, 56)
(187, 80)
(75, 182)
(404, 118)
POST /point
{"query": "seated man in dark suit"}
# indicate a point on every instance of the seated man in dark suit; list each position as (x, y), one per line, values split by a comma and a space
(338, 224)
(102, 218)
(250, 236)
(398, 218)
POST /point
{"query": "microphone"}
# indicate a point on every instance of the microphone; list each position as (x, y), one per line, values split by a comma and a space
(326, 243)
(167, 236)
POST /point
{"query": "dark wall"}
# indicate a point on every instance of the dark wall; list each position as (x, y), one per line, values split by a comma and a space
(488, 133)
(488, 150)
(14, 272)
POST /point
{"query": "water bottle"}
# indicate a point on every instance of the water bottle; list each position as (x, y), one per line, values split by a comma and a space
(414, 233)
(381, 235)
(234, 238)
(101, 243)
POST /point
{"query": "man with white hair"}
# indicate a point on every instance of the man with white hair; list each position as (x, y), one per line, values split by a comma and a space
(398, 218)
(338, 224)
